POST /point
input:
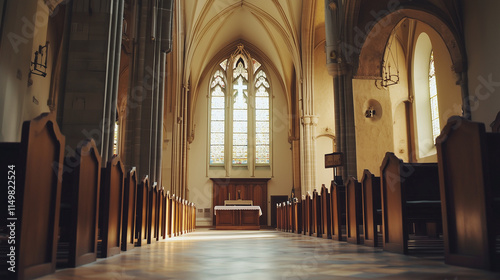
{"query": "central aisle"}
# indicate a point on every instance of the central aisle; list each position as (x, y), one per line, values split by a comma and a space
(264, 254)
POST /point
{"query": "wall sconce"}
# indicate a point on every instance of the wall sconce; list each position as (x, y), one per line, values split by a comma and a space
(39, 66)
(370, 112)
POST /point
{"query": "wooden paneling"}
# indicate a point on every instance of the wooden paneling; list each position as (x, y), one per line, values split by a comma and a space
(249, 189)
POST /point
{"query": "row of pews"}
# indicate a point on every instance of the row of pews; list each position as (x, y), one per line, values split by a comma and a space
(68, 211)
(454, 202)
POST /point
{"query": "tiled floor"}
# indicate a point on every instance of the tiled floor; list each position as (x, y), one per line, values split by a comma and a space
(264, 254)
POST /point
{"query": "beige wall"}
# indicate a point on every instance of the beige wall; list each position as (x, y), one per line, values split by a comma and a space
(482, 40)
(25, 28)
(199, 183)
(374, 136)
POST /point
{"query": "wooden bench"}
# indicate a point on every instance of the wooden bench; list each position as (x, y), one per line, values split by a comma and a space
(316, 214)
(469, 167)
(34, 168)
(79, 215)
(170, 215)
(141, 230)
(337, 193)
(162, 204)
(354, 213)
(111, 207)
(372, 208)
(307, 214)
(326, 214)
(129, 205)
(152, 219)
(297, 216)
(410, 194)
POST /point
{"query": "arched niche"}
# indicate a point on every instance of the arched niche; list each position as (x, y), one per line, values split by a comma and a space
(374, 44)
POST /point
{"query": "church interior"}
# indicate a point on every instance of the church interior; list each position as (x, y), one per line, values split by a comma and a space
(292, 139)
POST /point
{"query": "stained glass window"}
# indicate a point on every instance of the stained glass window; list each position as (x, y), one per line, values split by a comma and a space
(240, 114)
(262, 144)
(238, 82)
(217, 118)
(433, 98)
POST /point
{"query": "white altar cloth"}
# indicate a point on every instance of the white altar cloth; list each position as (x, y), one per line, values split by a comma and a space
(238, 208)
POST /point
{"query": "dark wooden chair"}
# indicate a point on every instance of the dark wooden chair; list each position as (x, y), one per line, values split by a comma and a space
(289, 217)
(469, 165)
(410, 194)
(337, 193)
(354, 215)
(34, 169)
(278, 216)
(111, 207)
(129, 205)
(316, 214)
(79, 207)
(372, 208)
(141, 229)
(326, 214)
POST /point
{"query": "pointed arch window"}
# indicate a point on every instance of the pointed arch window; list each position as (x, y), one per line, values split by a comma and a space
(240, 125)
(433, 98)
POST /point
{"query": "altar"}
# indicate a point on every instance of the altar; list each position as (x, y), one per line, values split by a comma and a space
(237, 217)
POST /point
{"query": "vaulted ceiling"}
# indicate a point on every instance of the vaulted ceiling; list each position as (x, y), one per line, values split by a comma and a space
(272, 27)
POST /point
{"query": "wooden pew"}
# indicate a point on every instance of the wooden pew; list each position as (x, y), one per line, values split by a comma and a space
(152, 213)
(410, 193)
(80, 213)
(469, 167)
(129, 205)
(354, 215)
(307, 214)
(372, 208)
(111, 207)
(337, 193)
(170, 210)
(162, 207)
(34, 169)
(297, 214)
(326, 214)
(316, 214)
(289, 218)
(141, 215)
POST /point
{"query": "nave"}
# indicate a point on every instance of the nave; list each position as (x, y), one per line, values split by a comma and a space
(264, 254)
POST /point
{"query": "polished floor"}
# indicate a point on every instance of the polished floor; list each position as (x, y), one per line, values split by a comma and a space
(264, 254)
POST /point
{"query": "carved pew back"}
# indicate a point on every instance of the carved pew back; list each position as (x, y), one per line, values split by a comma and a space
(337, 193)
(326, 214)
(35, 167)
(354, 217)
(80, 197)
(469, 165)
(111, 207)
(372, 208)
(142, 212)
(129, 210)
